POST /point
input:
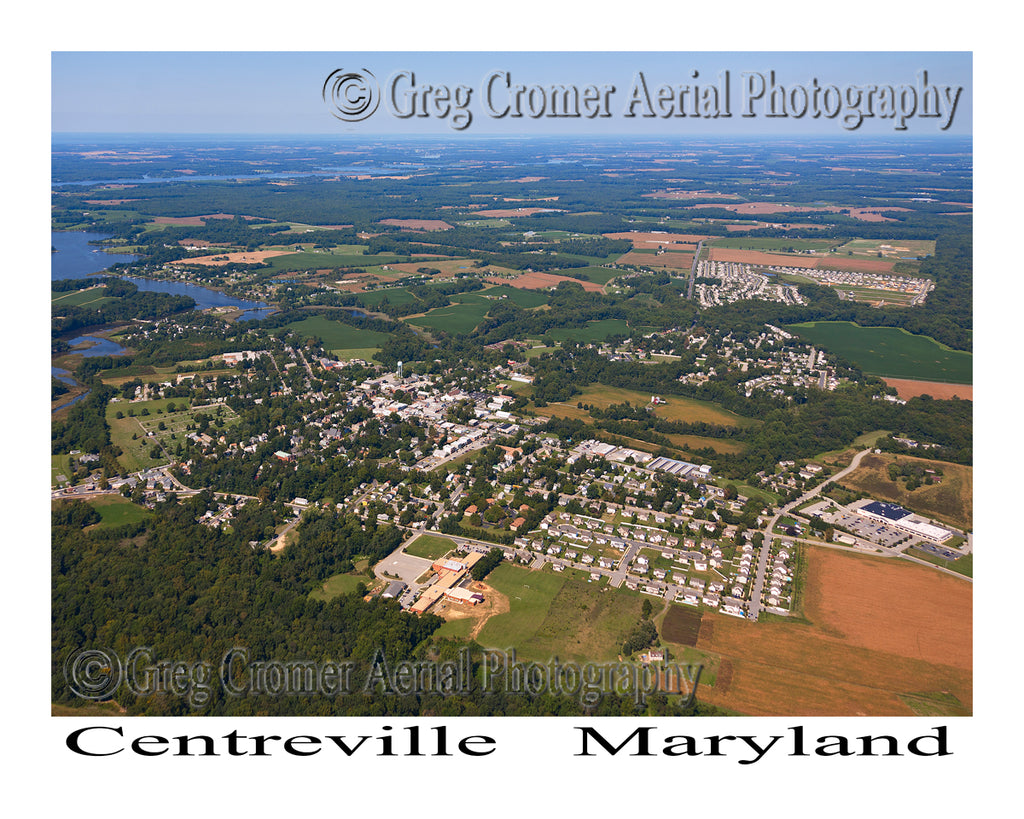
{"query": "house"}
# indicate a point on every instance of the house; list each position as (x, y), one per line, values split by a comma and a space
(395, 589)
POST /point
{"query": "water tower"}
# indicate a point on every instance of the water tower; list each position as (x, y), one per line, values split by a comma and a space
(399, 373)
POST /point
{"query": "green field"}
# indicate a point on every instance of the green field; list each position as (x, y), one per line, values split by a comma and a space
(598, 275)
(337, 584)
(115, 510)
(554, 615)
(393, 295)
(524, 298)
(594, 331)
(430, 547)
(295, 262)
(90, 297)
(962, 565)
(462, 317)
(888, 351)
(530, 595)
(337, 336)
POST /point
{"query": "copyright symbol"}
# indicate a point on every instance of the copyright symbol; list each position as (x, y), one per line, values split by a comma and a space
(354, 95)
(93, 674)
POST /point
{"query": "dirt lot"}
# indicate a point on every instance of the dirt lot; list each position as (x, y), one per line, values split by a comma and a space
(494, 603)
(910, 389)
(879, 628)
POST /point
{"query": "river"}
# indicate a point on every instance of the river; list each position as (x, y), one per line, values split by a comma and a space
(76, 258)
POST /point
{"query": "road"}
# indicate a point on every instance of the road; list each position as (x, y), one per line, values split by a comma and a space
(754, 608)
(693, 270)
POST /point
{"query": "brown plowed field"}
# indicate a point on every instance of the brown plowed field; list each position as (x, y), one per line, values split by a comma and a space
(910, 389)
(880, 627)
(541, 281)
(242, 257)
(418, 224)
(676, 260)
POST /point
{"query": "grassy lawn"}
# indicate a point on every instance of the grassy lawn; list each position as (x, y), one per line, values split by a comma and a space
(530, 595)
(559, 615)
(136, 452)
(115, 510)
(963, 565)
(889, 351)
(337, 584)
(430, 547)
(59, 465)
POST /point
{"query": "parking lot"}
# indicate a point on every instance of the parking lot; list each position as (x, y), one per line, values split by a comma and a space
(406, 567)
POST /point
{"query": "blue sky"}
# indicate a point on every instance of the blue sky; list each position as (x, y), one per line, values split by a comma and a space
(280, 92)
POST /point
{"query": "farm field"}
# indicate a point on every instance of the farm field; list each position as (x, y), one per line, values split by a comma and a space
(393, 295)
(461, 317)
(598, 275)
(769, 245)
(543, 281)
(674, 259)
(337, 336)
(951, 501)
(889, 351)
(909, 389)
(879, 629)
(89, 297)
